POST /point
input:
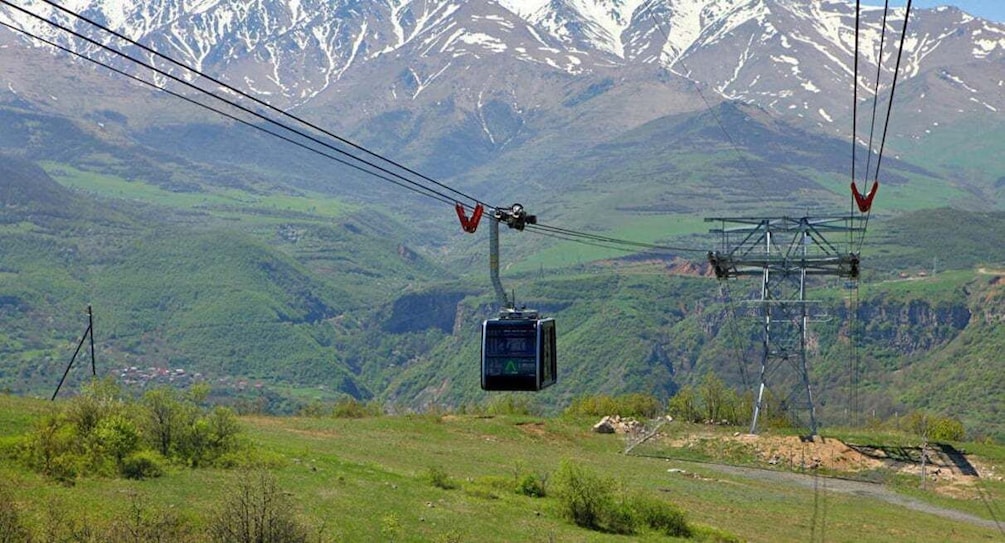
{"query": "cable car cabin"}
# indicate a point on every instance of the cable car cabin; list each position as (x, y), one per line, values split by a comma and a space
(518, 352)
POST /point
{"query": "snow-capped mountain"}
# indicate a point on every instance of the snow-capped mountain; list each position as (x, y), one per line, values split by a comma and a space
(417, 77)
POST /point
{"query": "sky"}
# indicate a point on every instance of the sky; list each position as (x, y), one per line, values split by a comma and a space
(993, 10)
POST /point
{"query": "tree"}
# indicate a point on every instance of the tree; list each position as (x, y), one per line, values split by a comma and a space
(684, 404)
(163, 419)
(118, 436)
(715, 397)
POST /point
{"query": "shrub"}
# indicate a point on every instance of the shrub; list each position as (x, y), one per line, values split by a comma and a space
(626, 405)
(594, 502)
(684, 405)
(512, 404)
(660, 516)
(531, 485)
(99, 400)
(142, 465)
(439, 478)
(162, 419)
(94, 433)
(51, 449)
(390, 528)
(316, 408)
(713, 535)
(177, 428)
(115, 435)
(934, 427)
(583, 496)
(947, 429)
(141, 524)
(351, 408)
(12, 529)
(256, 511)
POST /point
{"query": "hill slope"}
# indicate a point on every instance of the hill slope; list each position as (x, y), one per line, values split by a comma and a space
(172, 294)
(368, 479)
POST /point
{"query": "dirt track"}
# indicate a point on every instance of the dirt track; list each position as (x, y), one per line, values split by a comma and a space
(858, 488)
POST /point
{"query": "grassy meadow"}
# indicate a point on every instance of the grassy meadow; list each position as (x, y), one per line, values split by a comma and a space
(450, 477)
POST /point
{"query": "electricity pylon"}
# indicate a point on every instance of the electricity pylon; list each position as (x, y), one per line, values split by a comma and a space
(784, 251)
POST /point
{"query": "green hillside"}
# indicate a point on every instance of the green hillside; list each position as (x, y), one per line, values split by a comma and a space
(458, 478)
(307, 301)
(239, 291)
(655, 332)
(288, 284)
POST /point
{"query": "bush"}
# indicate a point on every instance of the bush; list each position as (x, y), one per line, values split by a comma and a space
(594, 502)
(531, 485)
(179, 429)
(142, 465)
(439, 478)
(316, 409)
(684, 405)
(115, 435)
(626, 405)
(712, 401)
(52, 449)
(143, 524)
(351, 408)
(12, 529)
(583, 496)
(934, 427)
(94, 433)
(947, 429)
(512, 404)
(660, 516)
(257, 511)
(713, 535)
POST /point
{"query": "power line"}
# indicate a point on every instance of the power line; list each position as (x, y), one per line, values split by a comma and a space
(240, 107)
(405, 182)
(889, 109)
(708, 105)
(854, 116)
(615, 241)
(735, 329)
(220, 112)
(566, 234)
(893, 88)
(875, 95)
(262, 102)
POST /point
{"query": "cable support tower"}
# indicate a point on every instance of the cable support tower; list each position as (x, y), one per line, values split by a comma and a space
(784, 252)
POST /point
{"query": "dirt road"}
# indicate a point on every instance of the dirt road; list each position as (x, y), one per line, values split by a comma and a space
(858, 488)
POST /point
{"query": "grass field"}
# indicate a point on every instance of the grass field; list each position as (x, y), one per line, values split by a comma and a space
(214, 199)
(367, 479)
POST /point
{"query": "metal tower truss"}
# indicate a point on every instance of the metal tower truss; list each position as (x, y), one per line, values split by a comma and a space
(784, 252)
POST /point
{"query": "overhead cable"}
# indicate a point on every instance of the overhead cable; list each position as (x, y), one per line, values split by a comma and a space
(223, 113)
(264, 103)
(893, 88)
(854, 112)
(381, 172)
(875, 94)
(443, 197)
(889, 109)
(708, 105)
(615, 241)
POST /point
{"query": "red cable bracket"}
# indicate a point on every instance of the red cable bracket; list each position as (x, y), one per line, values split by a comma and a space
(469, 225)
(864, 202)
